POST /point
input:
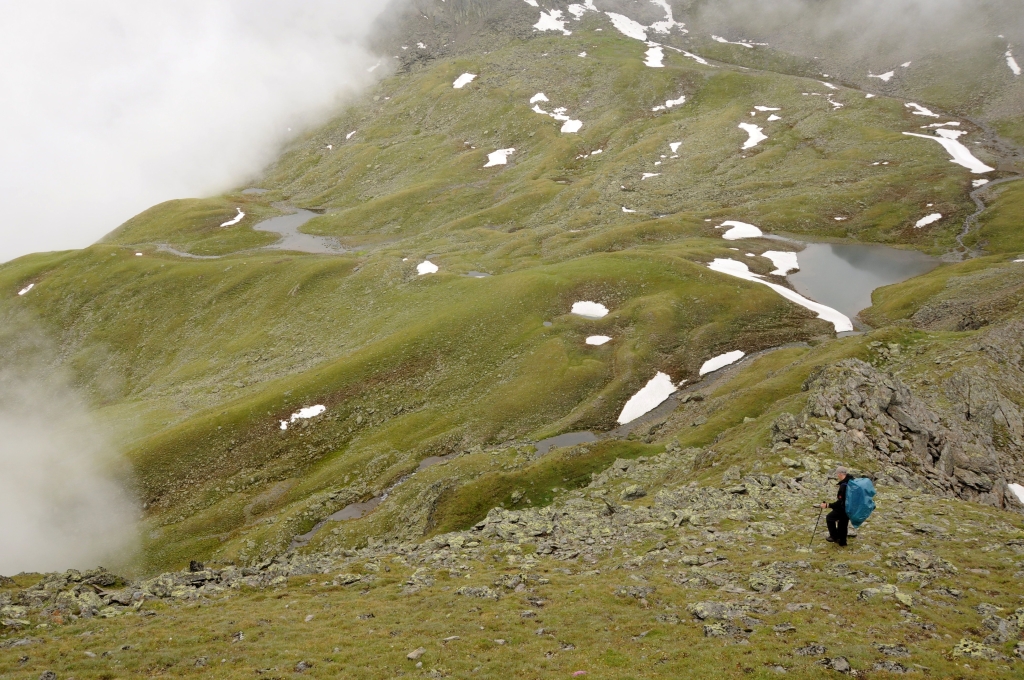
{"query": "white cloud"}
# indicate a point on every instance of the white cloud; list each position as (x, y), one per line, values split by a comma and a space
(112, 106)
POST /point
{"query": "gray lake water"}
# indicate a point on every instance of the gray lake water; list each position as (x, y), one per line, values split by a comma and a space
(567, 439)
(843, 275)
(287, 226)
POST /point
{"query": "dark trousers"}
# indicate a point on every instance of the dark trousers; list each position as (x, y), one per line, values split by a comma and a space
(838, 525)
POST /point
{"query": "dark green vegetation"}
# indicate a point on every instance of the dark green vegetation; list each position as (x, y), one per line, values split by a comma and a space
(194, 362)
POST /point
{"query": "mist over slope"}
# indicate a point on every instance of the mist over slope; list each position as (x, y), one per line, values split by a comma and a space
(114, 106)
(63, 495)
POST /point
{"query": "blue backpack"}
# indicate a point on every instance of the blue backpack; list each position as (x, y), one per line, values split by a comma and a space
(859, 503)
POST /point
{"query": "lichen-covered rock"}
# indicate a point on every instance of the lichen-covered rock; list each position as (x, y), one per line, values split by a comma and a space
(482, 592)
(975, 650)
(875, 413)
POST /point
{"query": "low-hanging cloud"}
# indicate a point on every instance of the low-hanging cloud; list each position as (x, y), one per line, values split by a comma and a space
(111, 106)
(64, 498)
(869, 29)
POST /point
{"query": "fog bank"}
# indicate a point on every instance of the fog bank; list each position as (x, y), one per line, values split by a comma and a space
(111, 106)
(63, 496)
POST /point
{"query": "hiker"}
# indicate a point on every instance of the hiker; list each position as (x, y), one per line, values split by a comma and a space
(837, 521)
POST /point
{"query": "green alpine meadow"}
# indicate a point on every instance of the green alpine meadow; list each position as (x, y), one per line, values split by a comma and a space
(539, 357)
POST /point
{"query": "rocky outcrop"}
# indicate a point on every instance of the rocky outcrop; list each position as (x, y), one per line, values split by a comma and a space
(951, 454)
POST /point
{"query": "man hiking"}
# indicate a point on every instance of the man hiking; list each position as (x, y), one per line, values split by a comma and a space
(837, 521)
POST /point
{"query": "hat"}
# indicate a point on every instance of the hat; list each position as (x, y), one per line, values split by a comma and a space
(842, 470)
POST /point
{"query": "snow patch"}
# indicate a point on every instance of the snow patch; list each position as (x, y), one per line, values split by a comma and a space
(675, 146)
(349, 135)
(930, 219)
(772, 118)
(784, 262)
(885, 77)
(570, 126)
(767, 108)
(718, 38)
(731, 267)
(739, 230)
(26, 289)
(656, 391)
(552, 21)
(597, 340)
(531, 3)
(647, 175)
(539, 97)
(960, 153)
(499, 157)
(578, 10)
(304, 414)
(627, 210)
(234, 220)
(655, 56)
(463, 80)
(589, 310)
(628, 27)
(920, 110)
(668, 23)
(979, 183)
(720, 361)
(1012, 63)
(1017, 490)
(756, 135)
(426, 267)
(669, 103)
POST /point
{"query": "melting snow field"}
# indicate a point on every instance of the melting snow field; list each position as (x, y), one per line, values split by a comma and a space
(979, 183)
(463, 80)
(499, 157)
(589, 310)
(655, 56)
(304, 414)
(840, 321)
(885, 77)
(960, 153)
(657, 390)
(597, 339)
(930, 219)
(234, 220)
(26, 289)
(784, 262)
(1012, 63)
(739, 230)
(718, 38)
(569, 125)
(920, 110)
(552, 21)
(721, 360)
(426, 267)
(669, 103)
(756, 135)
(1017, 490)
(628, 27)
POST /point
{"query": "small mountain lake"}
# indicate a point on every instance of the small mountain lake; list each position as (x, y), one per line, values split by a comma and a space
(287, 226)
(843, 275)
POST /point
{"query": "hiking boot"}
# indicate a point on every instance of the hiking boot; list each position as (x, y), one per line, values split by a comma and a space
(830, 539)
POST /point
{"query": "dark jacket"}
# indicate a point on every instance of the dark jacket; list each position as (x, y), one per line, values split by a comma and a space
(840, 504)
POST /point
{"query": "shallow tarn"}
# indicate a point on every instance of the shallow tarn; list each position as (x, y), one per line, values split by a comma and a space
(843, 275)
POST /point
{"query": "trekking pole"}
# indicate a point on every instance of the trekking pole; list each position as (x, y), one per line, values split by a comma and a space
(815, 528)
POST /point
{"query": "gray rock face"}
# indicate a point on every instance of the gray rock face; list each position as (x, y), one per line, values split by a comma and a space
(950, 455)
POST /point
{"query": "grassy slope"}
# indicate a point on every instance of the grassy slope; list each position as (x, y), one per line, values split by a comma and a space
(196, 361)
